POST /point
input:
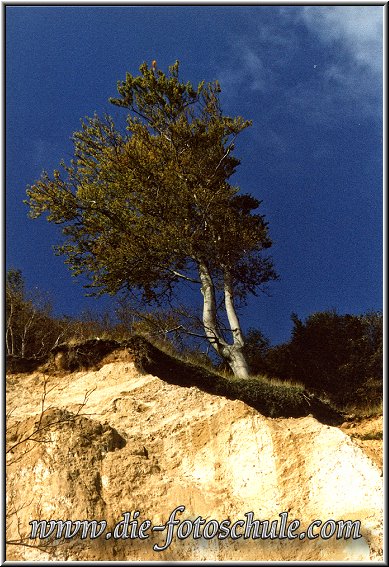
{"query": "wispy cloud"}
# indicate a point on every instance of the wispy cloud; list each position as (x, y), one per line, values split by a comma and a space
(357, 29)
(254, 68)
(356, 33)
(245, 67)
(272, 59)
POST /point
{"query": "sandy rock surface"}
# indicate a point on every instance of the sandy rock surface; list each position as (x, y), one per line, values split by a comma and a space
(115, 441)
(367, 433)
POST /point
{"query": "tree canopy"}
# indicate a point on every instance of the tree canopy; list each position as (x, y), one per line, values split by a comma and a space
(148, 204)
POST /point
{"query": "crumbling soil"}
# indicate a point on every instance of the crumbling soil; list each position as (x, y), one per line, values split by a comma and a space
(116, 439)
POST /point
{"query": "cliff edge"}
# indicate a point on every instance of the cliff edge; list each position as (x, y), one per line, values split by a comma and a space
(95, 443)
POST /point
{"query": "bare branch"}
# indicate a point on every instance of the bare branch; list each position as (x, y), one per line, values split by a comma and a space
(228, 151)
(187, 278)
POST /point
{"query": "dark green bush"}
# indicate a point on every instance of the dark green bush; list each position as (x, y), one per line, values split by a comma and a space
(337, 355)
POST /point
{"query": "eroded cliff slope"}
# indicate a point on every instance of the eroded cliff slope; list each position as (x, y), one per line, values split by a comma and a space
(115, 440)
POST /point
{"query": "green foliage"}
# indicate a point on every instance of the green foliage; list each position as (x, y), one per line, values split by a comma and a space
(339, 355)
(272, 398)
(140, 206)
(256, 348)
(15, 283)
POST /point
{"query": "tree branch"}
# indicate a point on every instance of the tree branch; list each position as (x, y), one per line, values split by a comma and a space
(187, 278)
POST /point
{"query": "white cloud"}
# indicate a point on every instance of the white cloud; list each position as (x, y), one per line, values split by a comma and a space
(344, 76)
(357, 28)
(355, 73)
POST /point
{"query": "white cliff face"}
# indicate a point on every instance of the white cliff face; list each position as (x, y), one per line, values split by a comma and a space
(141, 444)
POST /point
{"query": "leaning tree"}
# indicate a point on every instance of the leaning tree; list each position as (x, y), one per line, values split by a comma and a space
(148, 205)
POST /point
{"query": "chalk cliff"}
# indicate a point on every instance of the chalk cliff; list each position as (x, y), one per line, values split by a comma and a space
(96, 443)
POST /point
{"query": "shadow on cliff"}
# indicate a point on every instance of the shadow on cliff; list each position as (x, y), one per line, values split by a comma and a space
(269, 399)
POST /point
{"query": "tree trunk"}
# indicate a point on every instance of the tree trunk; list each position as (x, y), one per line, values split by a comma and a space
(9, 336)
(237, 360)
(232, 354)
(238, 363)
(209, 310)
(9, 339)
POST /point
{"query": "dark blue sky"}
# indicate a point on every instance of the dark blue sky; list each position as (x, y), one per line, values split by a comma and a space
(310, 78)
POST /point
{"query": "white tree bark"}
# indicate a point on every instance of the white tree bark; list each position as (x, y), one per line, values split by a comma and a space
(232, 353)
(238, 362)
(9, 337)
(209, 310)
